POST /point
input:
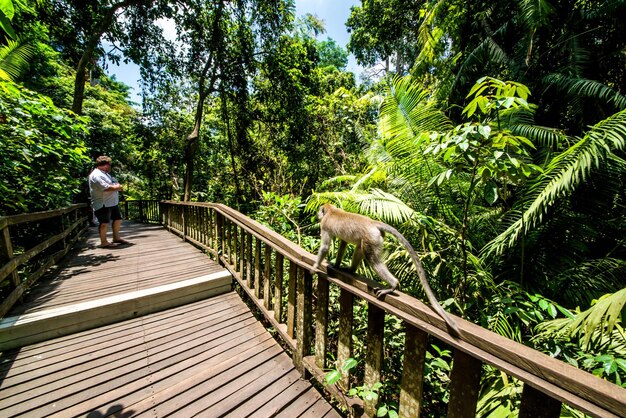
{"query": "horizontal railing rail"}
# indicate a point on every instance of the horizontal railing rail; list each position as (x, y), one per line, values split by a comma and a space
(275, 274)
(31, 243)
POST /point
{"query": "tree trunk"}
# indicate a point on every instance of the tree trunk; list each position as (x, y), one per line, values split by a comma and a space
(85, 59)
(193, 140)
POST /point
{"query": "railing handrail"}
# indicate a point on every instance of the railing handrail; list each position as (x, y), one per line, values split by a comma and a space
(37, 216)
(559, 380)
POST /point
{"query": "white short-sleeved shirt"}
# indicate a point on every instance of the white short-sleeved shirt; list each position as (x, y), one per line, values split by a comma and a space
(99, 182)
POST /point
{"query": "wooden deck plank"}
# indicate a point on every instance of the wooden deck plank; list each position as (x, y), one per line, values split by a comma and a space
(248, 375)
(306, 400)
(70, 366)
(156, 258)
(286, 397)
(99, 337)
(251, 405)
(211, 357)
(86, 380)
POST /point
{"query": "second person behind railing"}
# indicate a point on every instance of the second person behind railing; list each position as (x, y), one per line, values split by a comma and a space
(104, 191)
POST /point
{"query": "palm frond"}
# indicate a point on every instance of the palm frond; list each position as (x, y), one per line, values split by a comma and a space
(428, 34)
(384, 206)
(374, 203)
(593, 326)
(580, 87)
(14, 59)
(591, 278)
(535, 13)
(488, 51)
(542, 135)
(408, 111)
(562, 175)
(338, 180)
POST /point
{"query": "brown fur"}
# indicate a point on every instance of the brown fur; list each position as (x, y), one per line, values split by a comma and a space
(368, 236)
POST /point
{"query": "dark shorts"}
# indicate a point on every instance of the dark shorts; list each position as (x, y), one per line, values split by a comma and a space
(105, 215)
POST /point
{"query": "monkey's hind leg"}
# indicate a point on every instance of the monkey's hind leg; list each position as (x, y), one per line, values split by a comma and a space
(357, 257)
(381, 269)
(340, 253)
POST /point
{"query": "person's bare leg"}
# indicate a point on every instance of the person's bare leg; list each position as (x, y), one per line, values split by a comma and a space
(117, 224)
(103, 234)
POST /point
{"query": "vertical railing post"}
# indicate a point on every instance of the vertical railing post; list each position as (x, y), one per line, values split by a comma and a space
(222, 236)
(219, 235)
(321, 322)
(291, 298)
(464, 385)
(344, 344)
(257, 268)
(267, 273)
(141, 214)
(229, 241)
(374, 354)
(201, 226)
(536, 404)
(411, 386)
(184, 216)
(303, 318)
(249, 261)
(242, 250)
(62, 230)
(278, 287)
(235, 247)
(211, 228)
(6, 248)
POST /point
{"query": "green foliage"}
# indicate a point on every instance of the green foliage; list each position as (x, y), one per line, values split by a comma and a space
(593, 339)
(384, 29)
(42, 152)
(500, 395)
(490, 154)
(370, 394)
(282, 214)
(593, 327)
(332, 54)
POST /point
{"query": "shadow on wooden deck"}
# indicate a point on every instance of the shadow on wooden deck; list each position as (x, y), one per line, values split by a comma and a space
(207, 357)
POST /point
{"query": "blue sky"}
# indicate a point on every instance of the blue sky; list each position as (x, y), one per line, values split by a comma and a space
(334, 13)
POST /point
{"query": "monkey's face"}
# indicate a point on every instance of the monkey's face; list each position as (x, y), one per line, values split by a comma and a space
(321, 212)
(325, 208)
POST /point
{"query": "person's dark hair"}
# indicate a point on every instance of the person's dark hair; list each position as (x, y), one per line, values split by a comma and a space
(103, 160)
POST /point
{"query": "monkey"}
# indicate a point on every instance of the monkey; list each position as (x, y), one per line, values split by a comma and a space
(368, 236)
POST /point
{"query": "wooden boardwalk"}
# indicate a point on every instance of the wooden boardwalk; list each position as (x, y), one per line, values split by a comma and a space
(206, 358)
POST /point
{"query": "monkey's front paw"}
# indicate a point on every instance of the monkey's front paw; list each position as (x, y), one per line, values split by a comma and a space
(382, 292)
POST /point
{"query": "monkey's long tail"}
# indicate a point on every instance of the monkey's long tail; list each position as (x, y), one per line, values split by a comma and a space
(452, 326)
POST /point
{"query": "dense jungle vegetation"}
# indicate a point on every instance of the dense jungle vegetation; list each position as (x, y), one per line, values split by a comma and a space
(492, 134)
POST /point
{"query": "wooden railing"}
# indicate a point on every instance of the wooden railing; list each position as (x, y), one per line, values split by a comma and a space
(146, 211)
(274, 272)
(33, 242)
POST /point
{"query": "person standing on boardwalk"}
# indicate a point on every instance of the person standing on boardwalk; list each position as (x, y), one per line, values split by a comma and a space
(104, 191)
